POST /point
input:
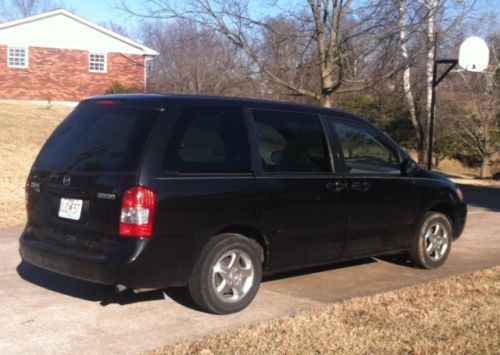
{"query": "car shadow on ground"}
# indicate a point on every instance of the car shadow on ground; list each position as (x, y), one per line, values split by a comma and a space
(482, 196)
(103, 294)
(316, 269)
(106, 295)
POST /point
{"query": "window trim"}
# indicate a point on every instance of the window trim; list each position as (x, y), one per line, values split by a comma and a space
(105, 55)
(26, 58)
(382, 138)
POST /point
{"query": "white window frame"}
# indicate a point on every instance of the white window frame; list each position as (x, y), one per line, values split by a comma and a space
(105, 56)
(26, 57)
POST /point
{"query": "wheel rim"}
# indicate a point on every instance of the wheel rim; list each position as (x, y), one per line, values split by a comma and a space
(436, 241)
(233, 276)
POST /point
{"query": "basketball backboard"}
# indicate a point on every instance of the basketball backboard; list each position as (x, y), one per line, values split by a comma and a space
(474, 54)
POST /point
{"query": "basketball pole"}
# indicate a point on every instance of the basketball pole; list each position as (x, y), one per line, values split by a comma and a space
(435, 82)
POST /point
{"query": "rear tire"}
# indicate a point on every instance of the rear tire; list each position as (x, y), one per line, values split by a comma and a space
(227, 276)
(431, 246)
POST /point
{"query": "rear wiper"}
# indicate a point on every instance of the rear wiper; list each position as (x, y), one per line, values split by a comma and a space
(89, 153)
(85, 155)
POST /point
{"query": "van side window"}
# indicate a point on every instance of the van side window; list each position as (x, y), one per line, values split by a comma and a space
(364, 152)
(291, 142)
(209, 140)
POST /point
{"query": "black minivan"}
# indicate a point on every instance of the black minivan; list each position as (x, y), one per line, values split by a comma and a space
(152, 191)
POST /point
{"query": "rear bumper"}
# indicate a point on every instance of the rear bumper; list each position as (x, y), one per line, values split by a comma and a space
(146, 266)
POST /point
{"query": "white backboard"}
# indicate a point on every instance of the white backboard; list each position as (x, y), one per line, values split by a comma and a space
(474, 54)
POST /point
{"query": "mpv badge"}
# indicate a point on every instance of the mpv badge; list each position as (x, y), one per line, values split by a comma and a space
(66, 180)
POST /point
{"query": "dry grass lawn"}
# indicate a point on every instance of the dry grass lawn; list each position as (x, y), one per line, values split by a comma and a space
(459, 315)
(23, 130)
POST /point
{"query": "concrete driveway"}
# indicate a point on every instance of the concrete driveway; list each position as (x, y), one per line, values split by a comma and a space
(42, 312)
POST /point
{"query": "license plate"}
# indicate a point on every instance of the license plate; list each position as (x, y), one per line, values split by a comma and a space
(70, 208)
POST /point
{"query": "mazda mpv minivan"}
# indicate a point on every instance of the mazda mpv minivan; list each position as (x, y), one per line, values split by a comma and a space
(152, 191)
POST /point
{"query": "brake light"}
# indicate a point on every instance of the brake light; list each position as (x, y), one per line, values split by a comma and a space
(107, 102)
(137, 213)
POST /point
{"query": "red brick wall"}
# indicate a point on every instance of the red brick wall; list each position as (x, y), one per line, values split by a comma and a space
(63, 75)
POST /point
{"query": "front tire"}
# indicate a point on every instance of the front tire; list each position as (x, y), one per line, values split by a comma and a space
(227, 276)
(432, 245)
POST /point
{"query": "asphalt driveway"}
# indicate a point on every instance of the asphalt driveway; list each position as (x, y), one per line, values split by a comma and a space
(42, 312)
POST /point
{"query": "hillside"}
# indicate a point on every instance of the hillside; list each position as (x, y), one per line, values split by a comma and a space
(24, 128)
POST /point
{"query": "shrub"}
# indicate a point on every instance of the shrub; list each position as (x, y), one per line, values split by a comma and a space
(118, 88)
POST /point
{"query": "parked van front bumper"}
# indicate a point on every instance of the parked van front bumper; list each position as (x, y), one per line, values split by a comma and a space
(149, 262)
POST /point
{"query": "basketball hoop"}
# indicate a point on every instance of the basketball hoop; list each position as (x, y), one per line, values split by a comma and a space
(474, 54)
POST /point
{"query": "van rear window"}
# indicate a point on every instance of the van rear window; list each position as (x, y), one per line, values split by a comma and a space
(98, 138)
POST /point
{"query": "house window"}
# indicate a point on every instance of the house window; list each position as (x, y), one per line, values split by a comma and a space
(97, 63)
(18, 57)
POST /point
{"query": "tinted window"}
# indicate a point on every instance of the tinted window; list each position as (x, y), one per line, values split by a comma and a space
(98, 138)
(364, 152)
(291, 142)
(209, 140)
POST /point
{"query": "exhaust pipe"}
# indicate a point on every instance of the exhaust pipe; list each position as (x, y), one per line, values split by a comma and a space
(142, 290)
(119, 288)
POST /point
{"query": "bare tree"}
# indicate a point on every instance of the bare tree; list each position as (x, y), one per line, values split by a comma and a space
(418, 24)
(343, 42)
(290, 56)
(419, 126)
(119, 28)
(194, 60)
(16, 9)
(479, 128)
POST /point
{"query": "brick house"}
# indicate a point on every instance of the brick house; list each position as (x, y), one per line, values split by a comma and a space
(59, 56)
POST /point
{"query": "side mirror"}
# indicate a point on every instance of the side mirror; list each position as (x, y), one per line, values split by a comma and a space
(408, 167)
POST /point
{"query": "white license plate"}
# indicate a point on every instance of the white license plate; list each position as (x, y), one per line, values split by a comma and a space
(70, 208)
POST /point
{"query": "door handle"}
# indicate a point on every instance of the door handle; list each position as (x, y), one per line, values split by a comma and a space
(336, 186)
(361, 186)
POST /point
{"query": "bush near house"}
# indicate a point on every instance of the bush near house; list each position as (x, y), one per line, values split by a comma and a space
(118, 88)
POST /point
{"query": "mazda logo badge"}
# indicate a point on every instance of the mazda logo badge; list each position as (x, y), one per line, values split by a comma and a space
(66, 180)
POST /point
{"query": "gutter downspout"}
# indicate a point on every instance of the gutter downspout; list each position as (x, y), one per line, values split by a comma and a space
(147, 59)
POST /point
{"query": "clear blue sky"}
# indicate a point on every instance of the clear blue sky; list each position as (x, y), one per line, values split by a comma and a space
(102, 11)
(99, 10)
(108, 10)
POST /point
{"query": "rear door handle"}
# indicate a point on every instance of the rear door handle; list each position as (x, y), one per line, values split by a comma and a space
(361, 186)
(336, 186)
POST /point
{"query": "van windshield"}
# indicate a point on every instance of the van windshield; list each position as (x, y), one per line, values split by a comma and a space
(97, 138)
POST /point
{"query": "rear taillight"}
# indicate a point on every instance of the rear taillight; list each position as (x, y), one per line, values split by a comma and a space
(137, 213)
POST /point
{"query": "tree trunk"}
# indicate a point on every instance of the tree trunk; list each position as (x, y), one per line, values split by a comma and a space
(438, 160)
(485, 169)
(326, 101)
(422, 142)
(415, 117)
(431, 40)
(422, 150)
